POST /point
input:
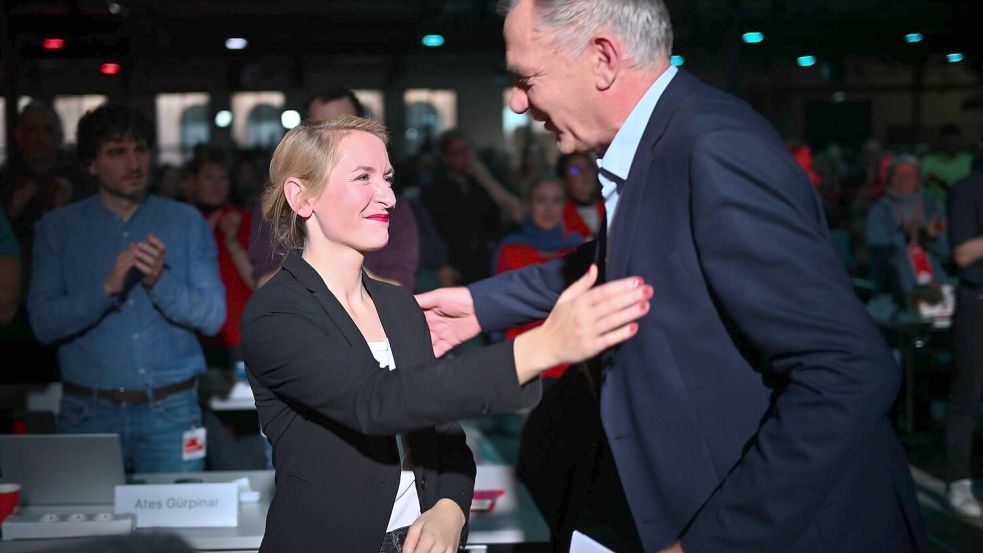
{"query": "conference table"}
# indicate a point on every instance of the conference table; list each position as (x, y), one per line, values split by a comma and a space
(514, 519)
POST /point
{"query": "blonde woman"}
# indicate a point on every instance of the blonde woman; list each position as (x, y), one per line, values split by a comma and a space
(346, 384)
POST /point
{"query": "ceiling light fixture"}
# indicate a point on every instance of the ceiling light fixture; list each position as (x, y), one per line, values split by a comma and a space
(753, 37)
(433, 41)
(236, 43)
(806, 61)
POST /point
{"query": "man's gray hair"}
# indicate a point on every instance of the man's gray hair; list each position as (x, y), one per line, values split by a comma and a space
(643, 25)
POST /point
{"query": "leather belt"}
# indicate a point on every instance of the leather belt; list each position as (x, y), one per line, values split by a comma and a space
(121, 395)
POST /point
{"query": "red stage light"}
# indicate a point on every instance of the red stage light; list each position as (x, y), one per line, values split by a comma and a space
(53, 43)
(109, 68)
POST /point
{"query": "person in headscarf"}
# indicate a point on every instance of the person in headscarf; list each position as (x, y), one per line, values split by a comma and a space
(906, 231)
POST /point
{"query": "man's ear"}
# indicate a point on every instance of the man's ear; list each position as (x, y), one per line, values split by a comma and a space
(608, 58)
(294, 189)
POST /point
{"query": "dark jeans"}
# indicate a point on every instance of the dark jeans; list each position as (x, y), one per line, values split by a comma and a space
(150, 433)
(967, 382)
(393, 541)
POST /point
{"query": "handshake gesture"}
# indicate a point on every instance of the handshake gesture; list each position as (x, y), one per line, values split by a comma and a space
(147, 257)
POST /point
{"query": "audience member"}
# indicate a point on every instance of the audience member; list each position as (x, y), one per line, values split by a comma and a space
(229, 223)
(584, 209)
(966, 237)
(533, 165)
(249, 175)
(169, 182)
(947, 165)
(541, 239)
(122, 281)
(10, 272)
(906, 232)
(468, 207)
(38, 177)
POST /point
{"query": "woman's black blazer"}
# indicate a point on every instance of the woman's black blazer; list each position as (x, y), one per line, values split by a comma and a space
(331, 412)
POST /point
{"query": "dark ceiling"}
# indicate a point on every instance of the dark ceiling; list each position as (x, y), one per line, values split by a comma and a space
(197, 28)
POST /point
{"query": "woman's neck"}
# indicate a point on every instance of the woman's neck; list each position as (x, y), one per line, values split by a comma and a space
(340, 268)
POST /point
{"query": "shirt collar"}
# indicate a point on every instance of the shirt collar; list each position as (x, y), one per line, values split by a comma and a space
(618, 158)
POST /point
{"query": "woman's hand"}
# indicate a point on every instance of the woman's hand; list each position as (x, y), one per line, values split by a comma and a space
(585, 321)
(436, 531)
(229, 223)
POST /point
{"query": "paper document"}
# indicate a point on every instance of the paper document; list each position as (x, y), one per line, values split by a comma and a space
(582, 544)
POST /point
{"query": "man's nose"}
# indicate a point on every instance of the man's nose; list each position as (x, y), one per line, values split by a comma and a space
(518, 102)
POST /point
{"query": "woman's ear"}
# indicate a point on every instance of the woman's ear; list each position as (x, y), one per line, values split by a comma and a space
(294, 189)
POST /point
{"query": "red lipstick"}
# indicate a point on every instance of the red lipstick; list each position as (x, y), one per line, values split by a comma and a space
(381, 217)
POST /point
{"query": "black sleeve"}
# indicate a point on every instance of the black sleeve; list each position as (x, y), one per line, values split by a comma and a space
(286, 349)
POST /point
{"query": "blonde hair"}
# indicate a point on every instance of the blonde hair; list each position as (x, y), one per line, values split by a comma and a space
(308, 153)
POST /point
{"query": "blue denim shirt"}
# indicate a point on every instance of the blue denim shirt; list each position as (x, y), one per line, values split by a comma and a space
(140, 338)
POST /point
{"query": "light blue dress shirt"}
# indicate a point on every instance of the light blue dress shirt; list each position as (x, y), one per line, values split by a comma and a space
(140, 338)
(617, 160)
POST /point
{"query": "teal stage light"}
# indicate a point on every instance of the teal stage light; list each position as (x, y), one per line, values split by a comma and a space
(433, 41)
(753, 37)
(806, 61)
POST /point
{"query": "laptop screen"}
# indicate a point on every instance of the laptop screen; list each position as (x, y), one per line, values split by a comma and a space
(63, 469)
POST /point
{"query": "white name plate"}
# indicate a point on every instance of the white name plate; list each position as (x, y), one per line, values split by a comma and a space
(180, 505)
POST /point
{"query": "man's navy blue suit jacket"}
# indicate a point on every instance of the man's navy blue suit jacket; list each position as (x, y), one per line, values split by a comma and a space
(749, 413)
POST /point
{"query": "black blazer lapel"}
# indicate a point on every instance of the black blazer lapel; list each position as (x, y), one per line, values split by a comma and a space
(637, 185)
(406, 352)
(308, 276)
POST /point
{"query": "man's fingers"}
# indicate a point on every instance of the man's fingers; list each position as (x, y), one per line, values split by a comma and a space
(149, 249)
(156, 242)
(427, 300)
(143, 267)
(147, 259)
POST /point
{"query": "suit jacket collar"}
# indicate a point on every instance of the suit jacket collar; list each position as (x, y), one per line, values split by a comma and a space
(399, 340)
(617, 160)
(637, 185)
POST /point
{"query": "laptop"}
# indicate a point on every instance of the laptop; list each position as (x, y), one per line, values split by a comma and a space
(63, 469)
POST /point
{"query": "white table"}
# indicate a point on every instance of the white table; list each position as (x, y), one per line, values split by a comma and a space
(515, 518)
